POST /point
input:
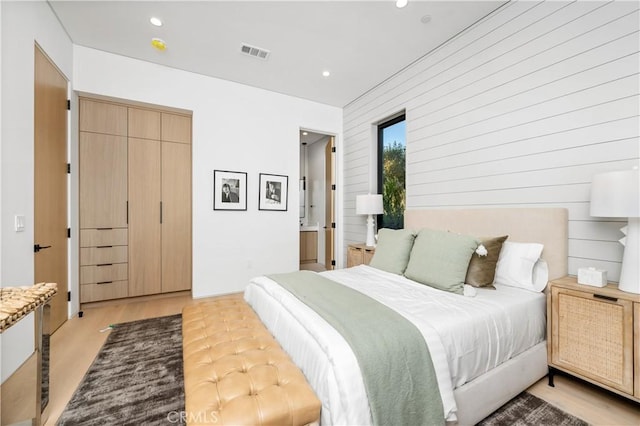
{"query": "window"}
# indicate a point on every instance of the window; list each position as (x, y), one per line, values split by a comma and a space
(391, 172)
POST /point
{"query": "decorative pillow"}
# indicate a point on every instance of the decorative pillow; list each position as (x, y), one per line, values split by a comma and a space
(515, 264)
(392, 250)
(540, 275)
(440, 259)
(482, 268)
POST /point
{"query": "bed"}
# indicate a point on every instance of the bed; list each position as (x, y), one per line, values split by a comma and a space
(478, 369)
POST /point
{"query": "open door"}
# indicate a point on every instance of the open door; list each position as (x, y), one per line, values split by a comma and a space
(50, 182)
(330, 219)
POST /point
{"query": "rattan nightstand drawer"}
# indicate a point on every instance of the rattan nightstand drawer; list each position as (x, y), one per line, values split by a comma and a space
(359, 254)
(591, 332)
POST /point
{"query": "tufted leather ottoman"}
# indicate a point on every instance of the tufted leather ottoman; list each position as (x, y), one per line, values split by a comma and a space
(235, 373)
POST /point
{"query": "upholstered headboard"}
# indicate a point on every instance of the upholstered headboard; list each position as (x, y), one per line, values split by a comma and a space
(547, 226)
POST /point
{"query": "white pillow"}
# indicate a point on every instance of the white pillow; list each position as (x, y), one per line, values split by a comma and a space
(540, 275)
(515, 265)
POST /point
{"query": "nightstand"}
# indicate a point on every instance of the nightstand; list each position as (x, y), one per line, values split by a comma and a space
(594, 333)
(359, 254)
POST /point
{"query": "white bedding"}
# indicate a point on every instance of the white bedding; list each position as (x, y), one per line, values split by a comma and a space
(467, 336)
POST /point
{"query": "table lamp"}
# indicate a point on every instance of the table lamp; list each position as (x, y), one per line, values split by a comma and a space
(369, 204)
(617, 194)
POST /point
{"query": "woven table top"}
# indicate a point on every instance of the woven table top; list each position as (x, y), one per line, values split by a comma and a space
(18, 302)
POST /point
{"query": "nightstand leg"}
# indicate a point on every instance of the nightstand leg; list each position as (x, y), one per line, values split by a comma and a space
(552, 372)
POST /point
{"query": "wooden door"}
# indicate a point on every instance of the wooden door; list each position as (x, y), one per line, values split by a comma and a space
(103, 181)
(176, 128)
(144, 217)
(143, 123)
(50, 182)
(102, 117)
(329, 233)
(176, 217)
(636, 349)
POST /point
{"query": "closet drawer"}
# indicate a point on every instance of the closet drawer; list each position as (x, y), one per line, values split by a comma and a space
(103, 254)
(105, 272)
(104, 291)
(104, 237)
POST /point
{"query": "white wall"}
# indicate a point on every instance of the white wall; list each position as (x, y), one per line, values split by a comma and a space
(235, 127)
(23, 24)
(521, 109)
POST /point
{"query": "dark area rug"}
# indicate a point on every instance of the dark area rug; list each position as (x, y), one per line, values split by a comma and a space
(528, 410)
(135, 379)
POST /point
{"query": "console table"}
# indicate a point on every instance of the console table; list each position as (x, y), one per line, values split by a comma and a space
(15, 304)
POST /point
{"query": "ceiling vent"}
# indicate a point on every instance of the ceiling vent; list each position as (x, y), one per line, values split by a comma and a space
(254, 51)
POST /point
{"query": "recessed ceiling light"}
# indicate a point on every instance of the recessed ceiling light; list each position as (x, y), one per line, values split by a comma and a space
(304, 133)
(401, 3)
(159, 44)
(155, 21)
(326, 73)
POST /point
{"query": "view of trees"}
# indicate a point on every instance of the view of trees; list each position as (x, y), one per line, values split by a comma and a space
(393, 185)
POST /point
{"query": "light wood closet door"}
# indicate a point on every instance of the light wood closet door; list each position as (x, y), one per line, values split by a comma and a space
(103, 185)
(144, 123)
(144, 217)
(176, 128)
(103, 117)
(176, 217)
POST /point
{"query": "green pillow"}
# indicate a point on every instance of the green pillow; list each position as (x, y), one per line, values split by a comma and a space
(440, 259)
(392, 251)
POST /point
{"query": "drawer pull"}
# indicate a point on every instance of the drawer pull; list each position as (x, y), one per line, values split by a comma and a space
(600, 296)
(105, 282)
(104, 246)
(104, 229)
(104, 264)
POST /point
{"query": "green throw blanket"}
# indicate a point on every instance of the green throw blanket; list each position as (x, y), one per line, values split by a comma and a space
(395, 362)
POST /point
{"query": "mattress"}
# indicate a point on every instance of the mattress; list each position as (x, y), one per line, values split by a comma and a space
(467, 336)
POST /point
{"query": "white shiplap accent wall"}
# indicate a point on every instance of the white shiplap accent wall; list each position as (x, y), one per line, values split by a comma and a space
(519, 110)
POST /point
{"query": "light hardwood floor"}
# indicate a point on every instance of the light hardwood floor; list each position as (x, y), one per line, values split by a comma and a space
(316, 267)
(76, 343)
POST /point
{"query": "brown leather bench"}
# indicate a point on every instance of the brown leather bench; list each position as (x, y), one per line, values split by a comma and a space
(235, 373)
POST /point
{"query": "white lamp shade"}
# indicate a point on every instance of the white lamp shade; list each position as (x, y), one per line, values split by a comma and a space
(616, 194)
(369, 204)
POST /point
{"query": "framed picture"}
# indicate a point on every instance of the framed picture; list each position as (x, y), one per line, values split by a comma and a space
(274, 192)
(229, 190)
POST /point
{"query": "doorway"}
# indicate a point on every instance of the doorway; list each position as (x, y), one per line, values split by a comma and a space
(317, 201)
(50, 182)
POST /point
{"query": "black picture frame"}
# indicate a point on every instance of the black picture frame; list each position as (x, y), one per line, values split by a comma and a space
(273, 193)
(229, 190)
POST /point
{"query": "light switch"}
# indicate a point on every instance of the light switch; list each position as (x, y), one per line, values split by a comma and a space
(19, 223)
